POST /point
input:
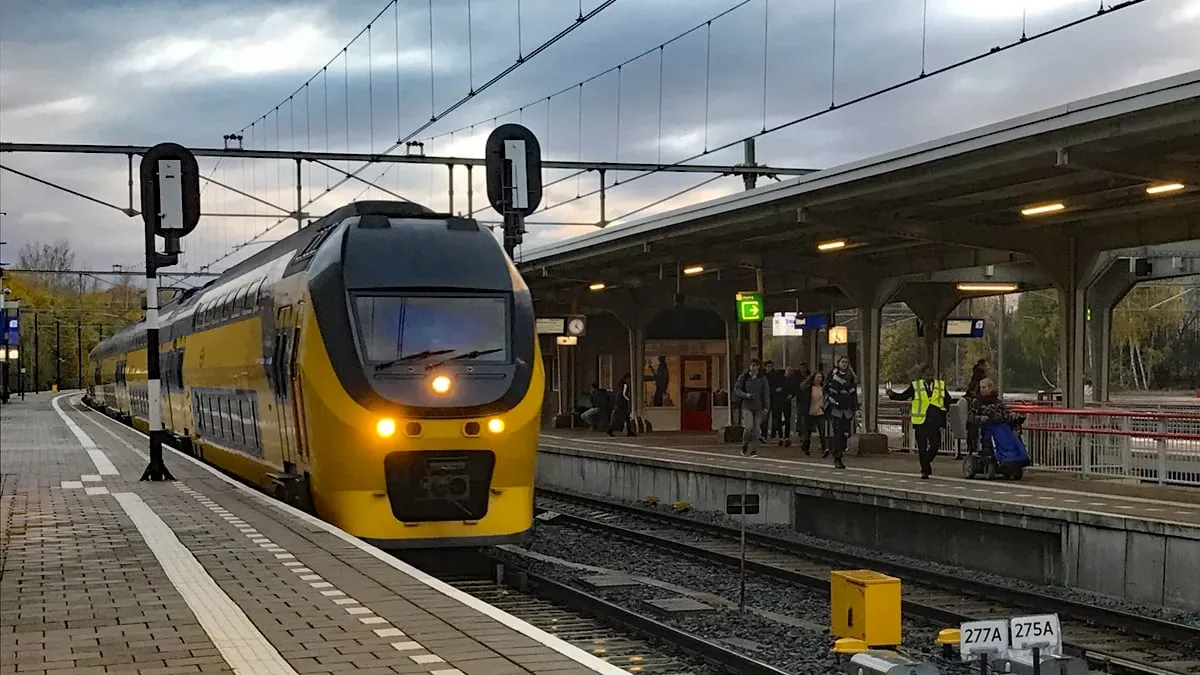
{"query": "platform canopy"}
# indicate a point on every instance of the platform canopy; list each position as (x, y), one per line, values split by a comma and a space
(1114, 171)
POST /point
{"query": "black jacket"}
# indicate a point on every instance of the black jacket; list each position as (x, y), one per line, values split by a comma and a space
(841, 391)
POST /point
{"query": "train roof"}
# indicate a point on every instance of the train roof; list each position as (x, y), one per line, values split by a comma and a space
(274, 258)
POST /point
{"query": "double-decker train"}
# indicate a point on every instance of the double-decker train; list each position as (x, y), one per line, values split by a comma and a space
(378, 368)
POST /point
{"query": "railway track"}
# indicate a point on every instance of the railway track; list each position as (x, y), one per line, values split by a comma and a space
(624, 638)
(1112, 641)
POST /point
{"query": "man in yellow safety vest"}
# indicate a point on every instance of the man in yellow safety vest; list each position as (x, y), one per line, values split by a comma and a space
(930, 401)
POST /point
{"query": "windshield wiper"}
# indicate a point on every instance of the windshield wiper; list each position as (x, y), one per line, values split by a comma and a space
(412, 357)
(463, 357)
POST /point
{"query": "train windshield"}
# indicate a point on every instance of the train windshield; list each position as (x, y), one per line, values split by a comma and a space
(424, 327)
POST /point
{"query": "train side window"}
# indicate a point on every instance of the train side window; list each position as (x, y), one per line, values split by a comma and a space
(208, 411)
(179, 368)
(239, 300)
(219, 422)
(315, 242)
(254, 423)
(241, 413)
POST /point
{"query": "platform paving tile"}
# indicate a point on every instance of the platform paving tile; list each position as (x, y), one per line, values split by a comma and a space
(324, 605)
(80, 591)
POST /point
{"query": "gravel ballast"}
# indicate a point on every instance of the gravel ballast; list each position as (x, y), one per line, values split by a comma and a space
(787, 625)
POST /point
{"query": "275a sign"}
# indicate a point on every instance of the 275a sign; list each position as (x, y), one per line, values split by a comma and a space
(1042, 631)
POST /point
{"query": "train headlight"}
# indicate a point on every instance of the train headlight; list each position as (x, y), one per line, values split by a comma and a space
(496, 425)
(440, 384)
(385, 427)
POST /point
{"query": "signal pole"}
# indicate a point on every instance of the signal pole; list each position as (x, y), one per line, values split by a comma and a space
(171, 209)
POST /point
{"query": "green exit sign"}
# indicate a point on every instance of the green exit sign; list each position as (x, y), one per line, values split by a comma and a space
(749, 307)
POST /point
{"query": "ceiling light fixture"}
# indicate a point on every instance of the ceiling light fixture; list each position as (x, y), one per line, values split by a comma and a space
(968, 287)
(598, 286)
(693, 270)
(831, 245)
(1043, 209)
(1164, 187)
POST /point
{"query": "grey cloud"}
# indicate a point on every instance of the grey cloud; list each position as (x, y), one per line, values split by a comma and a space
(877, 45)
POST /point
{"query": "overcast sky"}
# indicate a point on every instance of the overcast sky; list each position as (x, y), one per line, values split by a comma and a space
(145, 71)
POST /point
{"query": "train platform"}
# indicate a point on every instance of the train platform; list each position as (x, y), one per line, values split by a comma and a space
(900, 469)
(1138, 542)
(102, 573)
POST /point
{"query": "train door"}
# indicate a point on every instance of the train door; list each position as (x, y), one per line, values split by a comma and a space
(281, 365)
(300, 443)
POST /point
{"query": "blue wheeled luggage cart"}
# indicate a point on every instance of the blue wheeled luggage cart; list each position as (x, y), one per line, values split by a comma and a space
(1001, 451)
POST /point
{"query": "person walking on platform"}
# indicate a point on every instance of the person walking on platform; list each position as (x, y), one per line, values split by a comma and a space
(841, 402)
(978, 374)
(810, 407)
(930, 403)
(754, 396)
(622, 409)
(777, 379)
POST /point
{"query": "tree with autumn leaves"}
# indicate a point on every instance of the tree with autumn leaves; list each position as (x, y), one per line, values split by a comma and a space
(63, 314)
(1155, 342)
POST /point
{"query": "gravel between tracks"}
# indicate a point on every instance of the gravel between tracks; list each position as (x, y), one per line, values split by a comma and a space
(796, 638)
(784, 532)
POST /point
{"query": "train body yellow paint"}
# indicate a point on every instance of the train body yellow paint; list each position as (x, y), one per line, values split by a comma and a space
(379, 368)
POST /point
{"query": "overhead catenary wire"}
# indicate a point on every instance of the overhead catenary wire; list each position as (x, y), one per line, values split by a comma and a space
(860, 99)
(331, 61)
(351, 174)
(600, 74)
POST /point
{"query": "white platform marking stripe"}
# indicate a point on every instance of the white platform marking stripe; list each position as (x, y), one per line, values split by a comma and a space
(104, 467)
(235, 636)
(556, 644)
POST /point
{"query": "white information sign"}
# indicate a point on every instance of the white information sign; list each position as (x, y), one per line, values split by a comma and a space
(982, 637)
(783, 324)
(1042, 631)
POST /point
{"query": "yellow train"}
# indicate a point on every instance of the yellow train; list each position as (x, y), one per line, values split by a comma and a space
(378, 368)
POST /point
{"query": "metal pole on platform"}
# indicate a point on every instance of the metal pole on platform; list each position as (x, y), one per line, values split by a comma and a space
(37, 356)
(742, 555)
(170, 181)
(79, 350)
(157, 470)
(1000, 345)
(57, 352)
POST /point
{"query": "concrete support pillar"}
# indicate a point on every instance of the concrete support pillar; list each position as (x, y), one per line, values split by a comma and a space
(869, 297)
(812, 347)
(754, 330)
(1112, 283)
(639, 357)
(932, 303)
(1070, 263)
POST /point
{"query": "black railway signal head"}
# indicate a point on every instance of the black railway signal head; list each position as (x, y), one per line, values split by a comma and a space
(170, 179)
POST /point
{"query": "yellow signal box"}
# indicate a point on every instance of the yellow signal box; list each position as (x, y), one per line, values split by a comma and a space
(865, 605)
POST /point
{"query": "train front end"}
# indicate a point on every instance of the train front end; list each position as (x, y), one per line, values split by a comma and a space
(422, 383)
